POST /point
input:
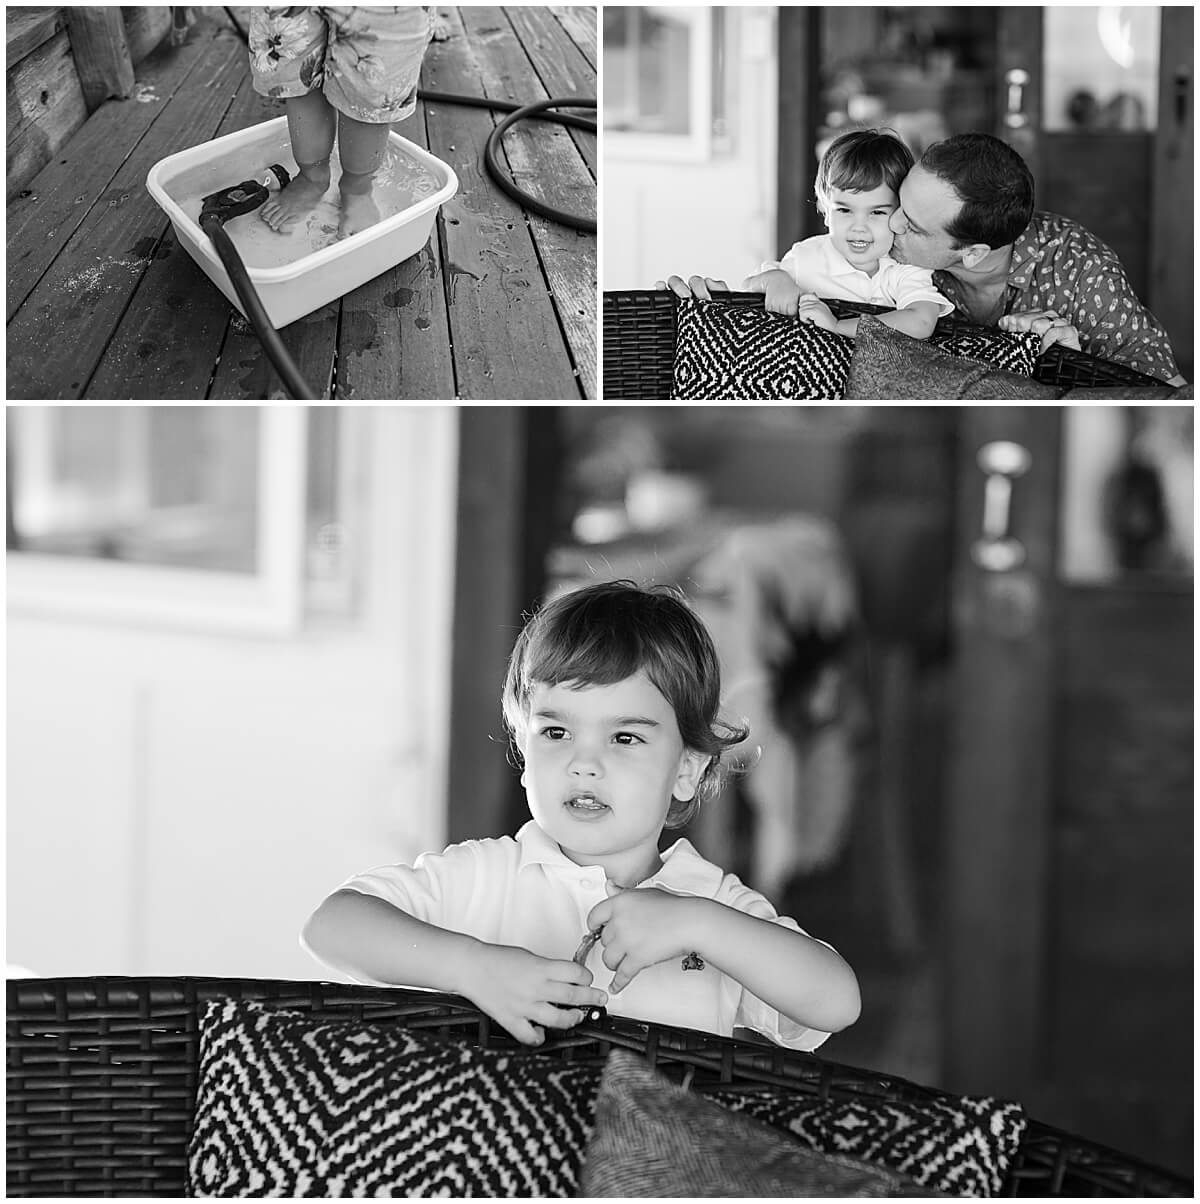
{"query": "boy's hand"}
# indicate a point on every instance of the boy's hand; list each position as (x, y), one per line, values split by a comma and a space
(782, 294)
(641, 927)
(812, 309)
(519, 989)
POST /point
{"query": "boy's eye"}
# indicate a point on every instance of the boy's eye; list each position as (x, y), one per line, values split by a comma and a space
(554, 733)
(628, 738)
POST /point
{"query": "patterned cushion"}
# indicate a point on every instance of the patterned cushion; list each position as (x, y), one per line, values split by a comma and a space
(743, 353)
(1000, 348)
(652, 1138)
(962, 1147)
(890, 366)
(290, 1105)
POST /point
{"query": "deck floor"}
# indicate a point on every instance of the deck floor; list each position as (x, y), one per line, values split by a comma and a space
(500, 304)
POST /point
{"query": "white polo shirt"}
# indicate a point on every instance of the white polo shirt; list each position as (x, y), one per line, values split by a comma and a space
(527, 892)
(817, 266)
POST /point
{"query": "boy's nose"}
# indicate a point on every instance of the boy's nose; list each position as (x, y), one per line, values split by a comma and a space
(584, 763)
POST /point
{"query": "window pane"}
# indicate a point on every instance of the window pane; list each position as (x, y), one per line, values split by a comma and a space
(162, 485)
(647, 70)
(1101, 68)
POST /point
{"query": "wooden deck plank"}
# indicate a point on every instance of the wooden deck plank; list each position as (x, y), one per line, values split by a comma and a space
(64, 192)
(579, 21)
(170, 337)
(562, 67)
(81, 298)
(245, 372)
(507, 341)
(395, 333)
(544, 161)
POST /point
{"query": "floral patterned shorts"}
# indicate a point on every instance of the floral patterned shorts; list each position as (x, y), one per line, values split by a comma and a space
(366, 61)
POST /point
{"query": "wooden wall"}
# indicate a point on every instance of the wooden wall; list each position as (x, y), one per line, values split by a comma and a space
(43, 99)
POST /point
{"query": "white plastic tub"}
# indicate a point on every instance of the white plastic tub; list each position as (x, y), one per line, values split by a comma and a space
(315, 277)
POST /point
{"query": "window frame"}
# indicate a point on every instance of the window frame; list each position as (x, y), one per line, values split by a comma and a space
(697, 144)
(269, 601)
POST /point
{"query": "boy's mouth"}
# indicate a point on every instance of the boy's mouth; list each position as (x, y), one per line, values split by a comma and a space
(858, 247)
(585, 806)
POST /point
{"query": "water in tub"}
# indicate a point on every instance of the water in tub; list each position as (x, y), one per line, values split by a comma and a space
(400, 183)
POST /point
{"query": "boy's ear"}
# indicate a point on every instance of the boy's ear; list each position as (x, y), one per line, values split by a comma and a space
(692, 765)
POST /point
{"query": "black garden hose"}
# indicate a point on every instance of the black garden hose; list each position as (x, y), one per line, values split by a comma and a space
(517, 113)
(278, 354)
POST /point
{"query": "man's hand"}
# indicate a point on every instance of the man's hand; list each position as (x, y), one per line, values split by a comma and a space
(701, 287)
(641, 928)
(1044, 322)
(811, 308)
(519, 989)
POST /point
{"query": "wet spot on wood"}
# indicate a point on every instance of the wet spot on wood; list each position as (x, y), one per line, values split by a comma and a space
(398, 298)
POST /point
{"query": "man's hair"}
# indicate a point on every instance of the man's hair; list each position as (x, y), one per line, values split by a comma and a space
(600, 635)
(862, 160)
(994, 182)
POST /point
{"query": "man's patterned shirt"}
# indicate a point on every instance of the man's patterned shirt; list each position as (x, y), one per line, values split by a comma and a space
(1058, 265)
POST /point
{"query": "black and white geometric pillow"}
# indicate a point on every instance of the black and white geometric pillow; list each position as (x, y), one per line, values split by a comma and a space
(1014, 352)
(962, 1147)
(290, 1105)
(743, 353)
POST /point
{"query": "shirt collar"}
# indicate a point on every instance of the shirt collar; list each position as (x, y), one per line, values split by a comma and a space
(683, 870)
(839, 265)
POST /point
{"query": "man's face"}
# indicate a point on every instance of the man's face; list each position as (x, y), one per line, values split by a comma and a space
(927, 205)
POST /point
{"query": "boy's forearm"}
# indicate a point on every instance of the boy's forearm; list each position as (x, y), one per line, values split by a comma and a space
(915, 322)
(805, 980)
(369, 938)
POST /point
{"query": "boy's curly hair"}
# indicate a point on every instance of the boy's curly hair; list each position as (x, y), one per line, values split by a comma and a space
(600, 635)
(861, 160)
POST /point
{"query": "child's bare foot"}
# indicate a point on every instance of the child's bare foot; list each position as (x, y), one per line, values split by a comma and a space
(298, 199)
(359, 210)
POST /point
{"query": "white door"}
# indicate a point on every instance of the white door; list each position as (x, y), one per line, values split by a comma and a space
(228, 643)
(689, 155)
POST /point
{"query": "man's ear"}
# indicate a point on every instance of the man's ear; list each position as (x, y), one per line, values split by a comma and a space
(975, 254)
(692, 765)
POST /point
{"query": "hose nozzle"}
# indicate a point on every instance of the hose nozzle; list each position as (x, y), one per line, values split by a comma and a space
(241, 198)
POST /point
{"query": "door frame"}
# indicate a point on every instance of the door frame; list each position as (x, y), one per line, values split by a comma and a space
(1000, 741)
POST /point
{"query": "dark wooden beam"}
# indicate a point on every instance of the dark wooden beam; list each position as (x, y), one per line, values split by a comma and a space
(799, 112)
(508, 486)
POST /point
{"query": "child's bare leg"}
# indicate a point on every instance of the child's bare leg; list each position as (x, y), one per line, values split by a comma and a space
(361, 145)
(312, 124)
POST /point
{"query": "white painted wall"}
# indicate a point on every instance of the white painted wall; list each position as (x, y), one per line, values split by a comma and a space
(179, 802)
(712, 218)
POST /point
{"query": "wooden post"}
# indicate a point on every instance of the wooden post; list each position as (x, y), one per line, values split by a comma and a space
(799, 91)
(998, 809)
(101, 53)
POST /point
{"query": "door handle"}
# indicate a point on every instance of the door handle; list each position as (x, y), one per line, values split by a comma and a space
(1183, 91)
(1003, 462)
(1016, 80)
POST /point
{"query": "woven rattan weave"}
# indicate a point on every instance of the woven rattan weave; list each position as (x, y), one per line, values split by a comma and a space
(639, 347)
(102, 1080)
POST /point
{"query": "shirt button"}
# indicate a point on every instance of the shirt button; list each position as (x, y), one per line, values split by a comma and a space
(585, 882)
